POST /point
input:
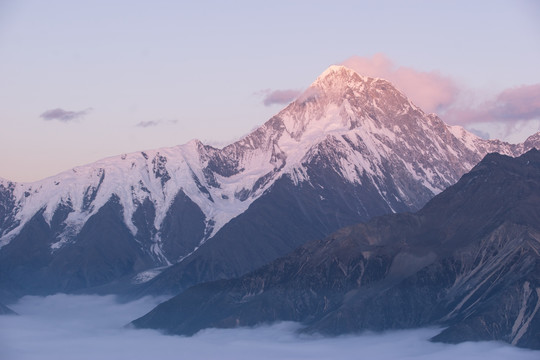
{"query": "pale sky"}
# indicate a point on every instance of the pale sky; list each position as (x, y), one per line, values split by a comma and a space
(80, 81)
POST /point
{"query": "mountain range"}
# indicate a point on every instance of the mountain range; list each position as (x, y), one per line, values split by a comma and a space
(469, 261)
(348, 149)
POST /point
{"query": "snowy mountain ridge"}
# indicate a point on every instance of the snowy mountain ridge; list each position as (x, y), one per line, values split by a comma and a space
(157, 175)
(365, 126)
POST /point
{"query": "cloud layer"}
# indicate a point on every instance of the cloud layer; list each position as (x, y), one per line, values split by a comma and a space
(91, 327)
(154, 123)
(279, 97)
(64, 115)
(510, 106)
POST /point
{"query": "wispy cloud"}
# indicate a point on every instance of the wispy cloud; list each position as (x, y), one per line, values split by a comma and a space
(480, 133)
(64, 115)
(510, 106)
(279, 97)
(430, 90)
(153, 123)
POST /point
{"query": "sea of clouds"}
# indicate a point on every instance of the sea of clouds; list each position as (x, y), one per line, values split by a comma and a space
(93, 327)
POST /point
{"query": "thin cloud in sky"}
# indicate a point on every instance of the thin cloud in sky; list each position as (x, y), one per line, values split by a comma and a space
(510, 106)
(92, 327)
(153, 123)
(480, 133)
(278, 97)
(64, 115)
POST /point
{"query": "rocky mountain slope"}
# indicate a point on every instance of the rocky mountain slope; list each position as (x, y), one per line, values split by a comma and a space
(469, 260)
(346, 150)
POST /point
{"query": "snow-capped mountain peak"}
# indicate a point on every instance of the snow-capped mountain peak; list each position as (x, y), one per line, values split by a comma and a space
(340, 100)
(337, 75)
(362, 128)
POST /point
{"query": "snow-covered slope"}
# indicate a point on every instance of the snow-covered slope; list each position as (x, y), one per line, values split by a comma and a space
(468, 261)
(157, 175)
(362, 128)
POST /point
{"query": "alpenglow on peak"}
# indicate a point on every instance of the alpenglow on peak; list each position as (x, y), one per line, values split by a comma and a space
(341, 99)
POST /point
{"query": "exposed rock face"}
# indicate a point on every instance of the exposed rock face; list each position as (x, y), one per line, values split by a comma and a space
(348, 149)
(468, 260)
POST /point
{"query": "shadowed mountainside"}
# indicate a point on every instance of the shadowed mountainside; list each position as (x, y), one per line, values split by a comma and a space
(468, 260)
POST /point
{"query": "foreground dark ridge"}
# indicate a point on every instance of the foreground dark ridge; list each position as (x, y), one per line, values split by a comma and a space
(469, 260)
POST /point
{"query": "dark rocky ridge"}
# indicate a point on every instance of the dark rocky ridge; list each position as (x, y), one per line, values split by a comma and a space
(103, 252)
(469, 260)
(7, 204)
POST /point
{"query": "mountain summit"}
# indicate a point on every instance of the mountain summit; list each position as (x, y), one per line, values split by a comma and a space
(349, 148)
